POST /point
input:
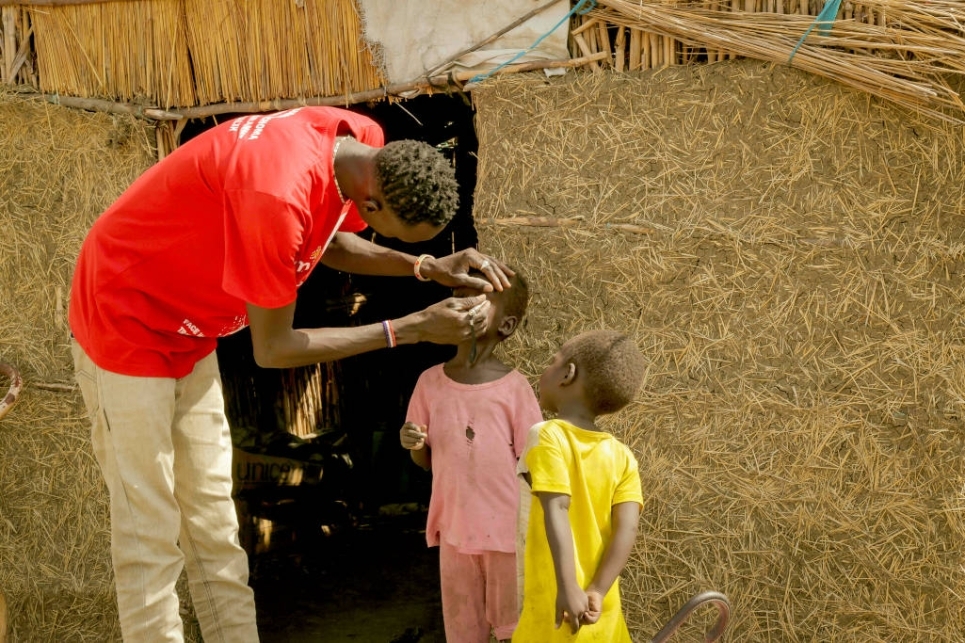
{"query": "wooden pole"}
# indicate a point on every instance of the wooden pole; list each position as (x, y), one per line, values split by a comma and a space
(620, 48)
(3, 619)
(635, 47)
(436, 83)
(52, 3)
(9, 43)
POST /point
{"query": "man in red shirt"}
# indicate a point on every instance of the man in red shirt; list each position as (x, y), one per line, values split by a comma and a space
(217, 236)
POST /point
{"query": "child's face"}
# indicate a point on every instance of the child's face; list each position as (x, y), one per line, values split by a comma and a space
(494, 297)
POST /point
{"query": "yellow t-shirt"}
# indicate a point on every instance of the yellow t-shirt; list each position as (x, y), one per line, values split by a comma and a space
(597, 471)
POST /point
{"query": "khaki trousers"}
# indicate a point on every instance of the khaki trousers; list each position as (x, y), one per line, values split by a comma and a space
(164, 448)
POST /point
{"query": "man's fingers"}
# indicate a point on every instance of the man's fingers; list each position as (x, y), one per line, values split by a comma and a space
(466, 304)
(497, 273)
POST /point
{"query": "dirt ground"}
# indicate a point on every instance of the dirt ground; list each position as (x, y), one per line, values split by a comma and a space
(378, 583)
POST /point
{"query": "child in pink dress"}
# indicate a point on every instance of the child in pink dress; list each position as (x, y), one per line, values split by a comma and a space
(467, 420)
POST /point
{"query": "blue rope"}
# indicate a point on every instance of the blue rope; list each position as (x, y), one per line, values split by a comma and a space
(823, 22)
(582, 7)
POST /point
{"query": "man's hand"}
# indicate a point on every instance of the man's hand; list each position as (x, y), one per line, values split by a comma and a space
(450, 321)
(453, 271)
(413, 436)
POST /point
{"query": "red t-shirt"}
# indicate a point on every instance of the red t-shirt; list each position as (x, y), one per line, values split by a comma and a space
(241, 213)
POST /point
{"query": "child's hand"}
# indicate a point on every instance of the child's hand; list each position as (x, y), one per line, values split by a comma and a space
(594, 608)
(413, 436)
(571, 605)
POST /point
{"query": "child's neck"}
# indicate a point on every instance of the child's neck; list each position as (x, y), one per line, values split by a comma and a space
(579, 416)
(485, 368)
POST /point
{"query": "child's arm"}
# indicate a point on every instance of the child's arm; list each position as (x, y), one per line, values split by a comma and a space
(625, 517)
(571, 600)
(413, 438)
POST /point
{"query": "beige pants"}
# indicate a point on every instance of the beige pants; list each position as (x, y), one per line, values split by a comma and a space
(164, 448)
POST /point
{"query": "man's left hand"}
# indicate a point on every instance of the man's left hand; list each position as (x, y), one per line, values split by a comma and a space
(453, 271)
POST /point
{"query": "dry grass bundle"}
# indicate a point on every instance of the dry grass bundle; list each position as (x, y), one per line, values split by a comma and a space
(182, 53)
(58, 169)
(266, 51)
(894, 49)
(118, 50)
(789, 254)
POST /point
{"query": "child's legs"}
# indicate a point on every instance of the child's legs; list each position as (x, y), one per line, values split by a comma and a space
(463, 596)
(217, 566)
(501, 608)
(131, 436)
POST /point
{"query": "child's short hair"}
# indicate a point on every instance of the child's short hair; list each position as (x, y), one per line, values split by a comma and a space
(612, 367)
(516, 296)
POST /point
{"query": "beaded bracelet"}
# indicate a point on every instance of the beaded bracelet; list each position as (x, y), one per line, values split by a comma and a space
(417, 267)
(389, 334)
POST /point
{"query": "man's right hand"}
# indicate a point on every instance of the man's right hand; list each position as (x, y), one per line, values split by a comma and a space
(451, 321)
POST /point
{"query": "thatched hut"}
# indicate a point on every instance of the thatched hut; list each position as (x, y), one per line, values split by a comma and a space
(785, 242)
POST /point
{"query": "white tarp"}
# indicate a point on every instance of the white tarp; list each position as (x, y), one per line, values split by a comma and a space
(415, 38)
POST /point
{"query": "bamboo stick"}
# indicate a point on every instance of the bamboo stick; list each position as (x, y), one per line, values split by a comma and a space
(620, 49)
(645, 52)
(556, 222)
(54, 3)
(9, 44)
(604, 42)
(635, 47)
(588, 23)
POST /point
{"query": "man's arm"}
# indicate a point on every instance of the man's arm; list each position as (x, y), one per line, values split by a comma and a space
(277, 345)
(349, 252)
(625, 517)
(571, 601)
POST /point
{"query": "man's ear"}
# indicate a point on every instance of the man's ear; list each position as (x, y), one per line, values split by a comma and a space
(508, 326)
(570, 375)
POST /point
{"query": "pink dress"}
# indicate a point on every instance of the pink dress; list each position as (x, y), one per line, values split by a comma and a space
(476, 433)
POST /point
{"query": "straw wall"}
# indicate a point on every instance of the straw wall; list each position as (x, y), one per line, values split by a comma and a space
(790, 255)
(58, 169)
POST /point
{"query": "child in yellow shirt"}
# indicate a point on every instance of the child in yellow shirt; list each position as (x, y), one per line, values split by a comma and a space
(588, 485)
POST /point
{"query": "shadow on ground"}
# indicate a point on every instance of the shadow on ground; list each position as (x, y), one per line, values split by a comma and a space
(376, 583)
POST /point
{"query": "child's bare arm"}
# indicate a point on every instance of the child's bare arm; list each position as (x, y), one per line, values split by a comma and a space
(625, 516)
(571, 601)
(413, 438)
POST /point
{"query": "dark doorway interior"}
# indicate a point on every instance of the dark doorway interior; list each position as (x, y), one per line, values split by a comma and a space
(363, 399)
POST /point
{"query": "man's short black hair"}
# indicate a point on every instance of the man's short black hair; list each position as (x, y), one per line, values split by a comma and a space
(417, 182)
